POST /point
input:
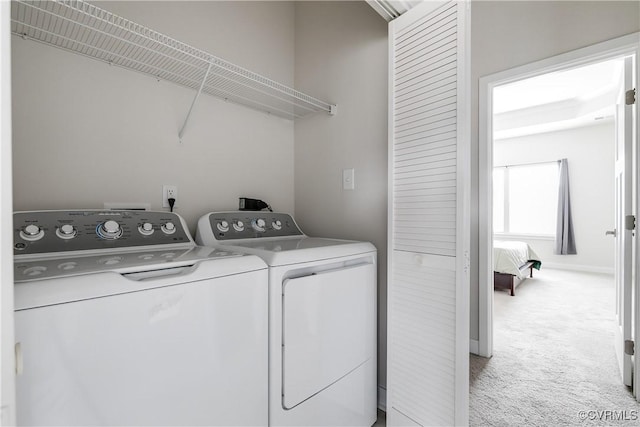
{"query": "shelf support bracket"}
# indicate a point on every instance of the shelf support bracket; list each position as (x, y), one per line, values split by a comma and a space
(195, 99)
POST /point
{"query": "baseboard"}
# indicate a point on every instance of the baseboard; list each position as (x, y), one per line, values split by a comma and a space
(474, 347)
(382, 398)
(577, 267)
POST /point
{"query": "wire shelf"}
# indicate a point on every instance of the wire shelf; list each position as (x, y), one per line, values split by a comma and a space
(85, 29)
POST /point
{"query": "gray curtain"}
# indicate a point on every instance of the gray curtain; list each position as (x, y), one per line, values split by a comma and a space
(565, 239)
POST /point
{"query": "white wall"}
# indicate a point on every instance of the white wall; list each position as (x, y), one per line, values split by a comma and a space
(590, 154)
(87, 133)
(505, 35)
(341, 56)
(7, 352)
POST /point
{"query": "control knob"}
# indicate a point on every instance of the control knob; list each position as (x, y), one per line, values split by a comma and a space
(238, 225)
(277, 224)
(146, 229)
(223, 226)
(258, 224)
(66, 231)
(32, 233)
(110, 230)
(168, 228)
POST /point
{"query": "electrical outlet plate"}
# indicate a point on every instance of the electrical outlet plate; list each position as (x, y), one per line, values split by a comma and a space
(169, 191)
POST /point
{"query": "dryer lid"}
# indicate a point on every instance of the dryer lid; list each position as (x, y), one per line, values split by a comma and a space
(297, 250)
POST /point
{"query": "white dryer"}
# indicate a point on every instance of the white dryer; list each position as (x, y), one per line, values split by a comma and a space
(322, 317)
(122, 320)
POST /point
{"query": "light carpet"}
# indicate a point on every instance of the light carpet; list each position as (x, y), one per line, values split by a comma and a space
(554, 362)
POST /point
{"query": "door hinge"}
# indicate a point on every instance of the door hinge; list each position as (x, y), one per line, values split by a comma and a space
(630, 222)
(630, 97)
(629, 347)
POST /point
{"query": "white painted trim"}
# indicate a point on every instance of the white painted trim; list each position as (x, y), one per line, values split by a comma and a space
(382, 398)
(578, 267)
(463, 221)
(474, 347)
(610, 49)
(635, 238)
(485, 223)
(7, 353)
(390, 195)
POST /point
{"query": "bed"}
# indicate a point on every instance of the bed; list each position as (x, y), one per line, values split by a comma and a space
(513, 262)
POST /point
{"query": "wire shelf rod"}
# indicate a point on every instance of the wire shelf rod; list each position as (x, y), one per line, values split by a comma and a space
(227, 95)
(85, 29)
(196, 53)
(269, 94)
(114, 55)
(148, 50)
(95, 30)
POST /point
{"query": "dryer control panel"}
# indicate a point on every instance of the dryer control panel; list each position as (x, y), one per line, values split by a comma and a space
(45, 232)
(251, 225)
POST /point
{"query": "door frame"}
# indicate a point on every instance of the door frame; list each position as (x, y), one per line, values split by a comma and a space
(610, 49)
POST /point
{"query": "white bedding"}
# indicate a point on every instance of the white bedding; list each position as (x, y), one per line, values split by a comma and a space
(508, 256)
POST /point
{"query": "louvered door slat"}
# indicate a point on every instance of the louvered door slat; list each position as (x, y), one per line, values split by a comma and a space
(425, 110)
(431, 130)
(434, 74)
(440, 137)
(426, 370)
(427, 190)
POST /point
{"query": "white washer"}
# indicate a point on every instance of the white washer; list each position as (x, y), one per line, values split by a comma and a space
(122, 320)
(322, 317)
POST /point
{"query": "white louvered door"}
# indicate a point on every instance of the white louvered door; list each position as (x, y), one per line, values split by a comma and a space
(428, 283)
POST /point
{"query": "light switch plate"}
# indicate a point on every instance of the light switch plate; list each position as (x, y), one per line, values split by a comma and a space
(348, 176)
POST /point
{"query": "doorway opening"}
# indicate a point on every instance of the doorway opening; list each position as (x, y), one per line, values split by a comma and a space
(508, 121)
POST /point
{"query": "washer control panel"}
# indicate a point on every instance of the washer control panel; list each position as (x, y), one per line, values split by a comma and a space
(250, 225)
(41, 232)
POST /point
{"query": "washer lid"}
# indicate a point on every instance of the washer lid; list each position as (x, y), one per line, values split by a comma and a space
(112, 280)
(296, 250)
(122, 262)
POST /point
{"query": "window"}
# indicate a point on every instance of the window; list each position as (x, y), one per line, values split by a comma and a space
(525, 199)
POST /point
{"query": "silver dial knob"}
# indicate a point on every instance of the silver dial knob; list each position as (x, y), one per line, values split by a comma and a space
(223, 226)
(146, 229)
(31, 232)
(110, 230)
(66, 231)
(258, 224)
(238, 226)
(168, 228)
(277, 224)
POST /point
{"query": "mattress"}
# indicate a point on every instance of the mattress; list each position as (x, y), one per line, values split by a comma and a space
(509, 256)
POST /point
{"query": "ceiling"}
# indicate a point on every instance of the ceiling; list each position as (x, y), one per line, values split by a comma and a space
(557, 100)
